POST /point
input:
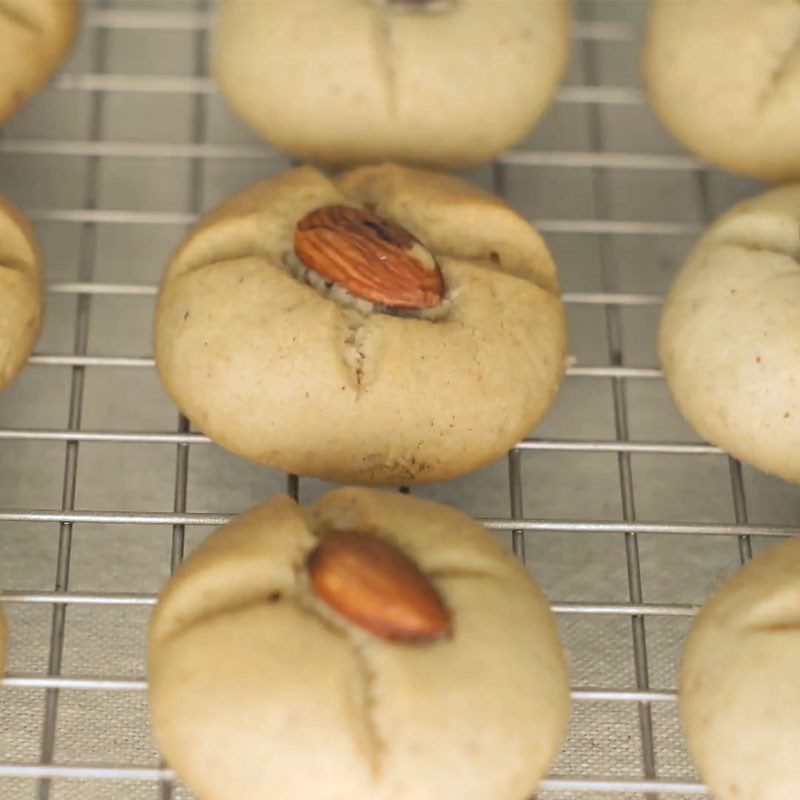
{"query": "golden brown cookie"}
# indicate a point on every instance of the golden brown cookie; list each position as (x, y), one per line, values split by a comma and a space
(21, 292)
(430, 82)
(265, 680)
(275, 360)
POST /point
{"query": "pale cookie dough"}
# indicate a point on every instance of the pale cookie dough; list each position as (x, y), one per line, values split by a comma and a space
(730, 334)
(740, 681)
(258, 691)
(355, 81)
(21, 292)
(35, 35)
(284, 373)
(724, 78)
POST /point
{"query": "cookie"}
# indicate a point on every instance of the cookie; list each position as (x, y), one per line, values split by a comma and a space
(35, 36)
(723, 76)
(730, 334)
(740, 682)
(302, 652)
(428, 82)
(389, 326)
(21, 292)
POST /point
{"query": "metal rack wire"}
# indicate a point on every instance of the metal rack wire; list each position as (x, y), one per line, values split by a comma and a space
(98, 82)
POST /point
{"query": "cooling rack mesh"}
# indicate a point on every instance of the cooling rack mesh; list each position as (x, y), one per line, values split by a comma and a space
(625, 518)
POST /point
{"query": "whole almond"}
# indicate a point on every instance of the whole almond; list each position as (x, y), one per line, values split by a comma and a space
(370, 257)
(377, 586)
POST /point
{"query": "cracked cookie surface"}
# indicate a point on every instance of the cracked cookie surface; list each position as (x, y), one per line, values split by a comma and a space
(21, 292)
(357, 81)
(278, 369)
(35, 36)
(723, 76)
(256, 690)
(729, 339)
(740, 681)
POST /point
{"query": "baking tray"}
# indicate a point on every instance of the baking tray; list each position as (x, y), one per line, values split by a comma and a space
(626, 519)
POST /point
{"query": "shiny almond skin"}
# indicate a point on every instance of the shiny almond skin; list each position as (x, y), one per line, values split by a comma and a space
(375, 585)
(370, 257)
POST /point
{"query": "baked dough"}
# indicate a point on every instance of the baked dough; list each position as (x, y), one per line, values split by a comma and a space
(724, 78)
(21, 292)
(35, 35)
(256, 692)
(730, 334)
(277, 372)
(355, 81)
(740, 681)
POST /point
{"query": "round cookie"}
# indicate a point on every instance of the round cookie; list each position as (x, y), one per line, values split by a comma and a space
(355, 81)
(723, 76)
(309, 379)
(21, 292)
(740, 681)
(35, 36)
(259, 688)
(730, 334)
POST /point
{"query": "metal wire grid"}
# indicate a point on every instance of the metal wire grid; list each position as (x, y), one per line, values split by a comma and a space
(98, 82)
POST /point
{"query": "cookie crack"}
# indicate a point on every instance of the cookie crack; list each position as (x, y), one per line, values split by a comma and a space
(368, 679)
(353, 345)
(782, 70)
(366, 673)
(315, 608)
(383, 40)
(777, 627)
(16, 265)
(777, 251)
(271, 598)
(17, 18)
(222, 260)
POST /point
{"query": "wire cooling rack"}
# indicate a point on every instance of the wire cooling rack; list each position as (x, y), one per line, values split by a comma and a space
(625, 517)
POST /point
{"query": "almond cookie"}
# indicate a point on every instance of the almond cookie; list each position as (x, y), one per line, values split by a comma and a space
(430, 82)
(35, 36)
(724, 78)
(730, 334)
(21, 292)
(389, 326)
(371, 646)
(740, 681)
